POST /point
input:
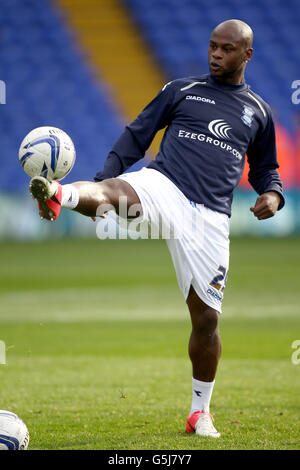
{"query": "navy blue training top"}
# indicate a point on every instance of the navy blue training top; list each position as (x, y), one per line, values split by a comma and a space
(210, 128)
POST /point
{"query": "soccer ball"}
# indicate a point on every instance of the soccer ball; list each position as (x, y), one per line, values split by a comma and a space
(14, 434)
(47, 151)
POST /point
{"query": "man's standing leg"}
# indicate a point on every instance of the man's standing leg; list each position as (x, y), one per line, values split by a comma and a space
(204, 352)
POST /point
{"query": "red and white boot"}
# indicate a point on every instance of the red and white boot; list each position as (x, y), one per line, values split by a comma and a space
(201, 423)
(48, 195)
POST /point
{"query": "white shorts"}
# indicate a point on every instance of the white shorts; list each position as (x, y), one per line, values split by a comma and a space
(197, 237)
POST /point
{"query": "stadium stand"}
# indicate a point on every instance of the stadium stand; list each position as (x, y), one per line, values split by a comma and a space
(48, 82)
(51, 81)
(117, 51)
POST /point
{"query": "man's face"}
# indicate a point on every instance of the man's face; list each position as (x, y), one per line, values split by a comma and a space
(226, 54)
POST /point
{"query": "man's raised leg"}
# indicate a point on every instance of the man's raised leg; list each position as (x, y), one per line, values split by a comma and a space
(85, 197)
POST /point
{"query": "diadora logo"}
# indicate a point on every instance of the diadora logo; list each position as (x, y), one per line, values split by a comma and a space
(214, 294)
(219, 128)
(200, 98)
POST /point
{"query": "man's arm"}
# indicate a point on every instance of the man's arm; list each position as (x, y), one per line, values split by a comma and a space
(137, 137)
(263, 174)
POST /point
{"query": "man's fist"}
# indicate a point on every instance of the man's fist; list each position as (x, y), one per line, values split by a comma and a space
(266, 205)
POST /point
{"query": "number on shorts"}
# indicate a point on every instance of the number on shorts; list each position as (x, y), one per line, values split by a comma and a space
(217, 280)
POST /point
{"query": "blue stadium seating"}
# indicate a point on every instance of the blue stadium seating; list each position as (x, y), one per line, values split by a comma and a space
(49, 83)
(178, 32)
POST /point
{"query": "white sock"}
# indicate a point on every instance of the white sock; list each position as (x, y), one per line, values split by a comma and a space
(202, 392)
(70, 196)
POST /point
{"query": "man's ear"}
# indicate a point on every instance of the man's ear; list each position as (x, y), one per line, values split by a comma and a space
(249, 53)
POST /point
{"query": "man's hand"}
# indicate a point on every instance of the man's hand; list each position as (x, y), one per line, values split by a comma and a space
(266, 205)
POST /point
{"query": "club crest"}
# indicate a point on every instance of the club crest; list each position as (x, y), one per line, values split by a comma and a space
(247, 116)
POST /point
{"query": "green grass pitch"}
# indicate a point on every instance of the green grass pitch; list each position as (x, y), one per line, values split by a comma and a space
(96, 336)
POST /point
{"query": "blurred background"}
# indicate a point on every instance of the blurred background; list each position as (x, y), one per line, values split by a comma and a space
(87, 323)
(90, 66)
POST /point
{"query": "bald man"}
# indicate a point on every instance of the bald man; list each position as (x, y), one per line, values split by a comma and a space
(186, 193)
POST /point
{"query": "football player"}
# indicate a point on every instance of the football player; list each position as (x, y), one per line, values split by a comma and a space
(212, 121)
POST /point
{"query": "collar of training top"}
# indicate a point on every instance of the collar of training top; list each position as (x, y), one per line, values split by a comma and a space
(217, 83)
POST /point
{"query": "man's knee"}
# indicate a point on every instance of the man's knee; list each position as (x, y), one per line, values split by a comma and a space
(203, 317)
(119, 194)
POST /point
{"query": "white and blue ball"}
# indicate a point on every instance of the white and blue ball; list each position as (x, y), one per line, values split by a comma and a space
(47, 151)
(14, 434)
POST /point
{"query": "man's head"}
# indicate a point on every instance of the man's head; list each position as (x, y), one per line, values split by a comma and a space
(230, 48)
